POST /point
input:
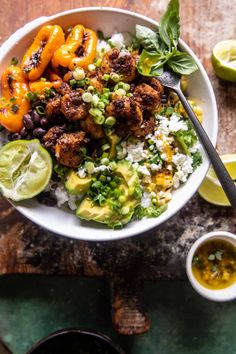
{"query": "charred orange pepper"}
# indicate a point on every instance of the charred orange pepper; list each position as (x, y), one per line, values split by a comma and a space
(13, 104)
(82, 40)
(40, 86)
(38, 56)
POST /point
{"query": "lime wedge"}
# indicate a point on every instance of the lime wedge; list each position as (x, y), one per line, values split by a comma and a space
(211, 189)
(25, 169)
(224, 60)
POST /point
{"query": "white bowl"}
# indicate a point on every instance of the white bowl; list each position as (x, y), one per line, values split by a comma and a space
(109, 20)
(225, 294)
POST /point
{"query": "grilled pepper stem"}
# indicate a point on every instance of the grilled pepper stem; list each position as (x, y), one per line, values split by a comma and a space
(13, 104)
(38, 56)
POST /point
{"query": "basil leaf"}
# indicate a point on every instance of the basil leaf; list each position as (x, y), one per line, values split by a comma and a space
(169, 28)
(147, 38)
(147, 60)
(182, 63)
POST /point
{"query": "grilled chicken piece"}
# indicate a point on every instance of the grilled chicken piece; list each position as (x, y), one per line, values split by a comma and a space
(93, 129)
(96, 80)
(122, 63)
(73, 107)
(52, 135)
(154, 83)
(53, 107)
(147, 127)
(67, 149)
(63, 89)
(148, 98)
(125, 109)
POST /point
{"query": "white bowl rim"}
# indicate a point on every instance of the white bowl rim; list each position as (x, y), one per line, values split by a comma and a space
(123, 233)
(225, 294)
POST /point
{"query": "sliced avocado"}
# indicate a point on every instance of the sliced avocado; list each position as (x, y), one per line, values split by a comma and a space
(88, 211)
(75, 184)
(131, 191)
(113, 140)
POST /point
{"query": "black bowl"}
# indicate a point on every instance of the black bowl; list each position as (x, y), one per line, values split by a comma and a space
(75, 341)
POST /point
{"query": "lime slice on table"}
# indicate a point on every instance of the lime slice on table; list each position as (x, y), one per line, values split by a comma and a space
(25, 169)
(224, 60)
(211, 189)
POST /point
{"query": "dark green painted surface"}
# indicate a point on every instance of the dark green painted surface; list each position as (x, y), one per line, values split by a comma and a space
(182, 322)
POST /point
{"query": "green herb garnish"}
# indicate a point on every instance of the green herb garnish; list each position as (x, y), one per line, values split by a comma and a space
(32, 96)
(14, 61)
(15, 108)
(160, 48)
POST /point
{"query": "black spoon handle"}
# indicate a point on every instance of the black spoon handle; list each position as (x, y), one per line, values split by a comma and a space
(220, 170)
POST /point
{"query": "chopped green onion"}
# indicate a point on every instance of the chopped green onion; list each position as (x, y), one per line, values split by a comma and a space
(43, 79)
(72, 82)
(106, 90)
(101, 105)
(31, 96)
(126, 87)
(78, 74)
(105, 161)
(102, 178)
(122, 199)
(112, 165)
(13, 99)
(106, 77)
(95, 100)
(89, 165)
(87, 97)
(15, 108)
(98, 62)
(91, 67)
(115, 77)
(95, 112)
(110, 121)
(40, 110)
(125, 210)
(120, 92)
(14, 61)
(99, 120)
(105, 147)
(90, 88)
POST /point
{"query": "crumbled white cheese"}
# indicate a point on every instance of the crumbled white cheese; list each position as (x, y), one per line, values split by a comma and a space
(144, 170)
(155, 167)
(100, 168)
(135, 151)
(103, 46)
(117, 40)
(184, 167)
(176, 124)
(146, 200)
(81, 172)
(194, 148)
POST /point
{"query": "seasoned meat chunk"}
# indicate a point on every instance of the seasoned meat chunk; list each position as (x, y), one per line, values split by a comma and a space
(73, 107)
(51, 137)
(122, 63)
(154, 83)
(63, 89)
(148, 98)
(53, 107)
(126, 109)
(67, 149)
(146, 127)
(93, 129)
(96, 81)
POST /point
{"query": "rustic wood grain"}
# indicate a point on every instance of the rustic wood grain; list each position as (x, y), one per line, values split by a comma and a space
(27, 248)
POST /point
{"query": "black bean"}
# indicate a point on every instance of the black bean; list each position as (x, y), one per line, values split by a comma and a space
(39, 132)
(36, 117)
(47, 199)
(28, 123)
(44, 122)
(15, 136)
(23, 132)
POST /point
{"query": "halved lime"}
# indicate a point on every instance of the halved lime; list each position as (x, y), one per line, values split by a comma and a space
(211, 189)
(224, 60)
(25, 169)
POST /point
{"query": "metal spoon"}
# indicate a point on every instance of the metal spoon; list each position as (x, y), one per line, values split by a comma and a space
(172, 81)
